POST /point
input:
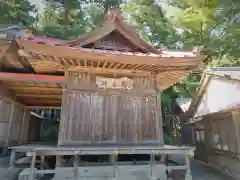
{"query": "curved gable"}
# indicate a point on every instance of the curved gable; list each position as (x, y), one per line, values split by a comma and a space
(114, 24)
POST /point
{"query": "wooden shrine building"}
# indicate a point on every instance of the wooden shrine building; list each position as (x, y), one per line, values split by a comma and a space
(216, 119)
(107, 83)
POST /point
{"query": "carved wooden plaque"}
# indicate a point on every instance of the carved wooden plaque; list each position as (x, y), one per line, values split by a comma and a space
(114, 83)
(143, 83)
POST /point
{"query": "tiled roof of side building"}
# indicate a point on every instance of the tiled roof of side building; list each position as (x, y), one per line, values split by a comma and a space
(231, 72)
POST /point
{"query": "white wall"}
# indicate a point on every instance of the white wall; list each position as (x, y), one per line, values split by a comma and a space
(220, 95)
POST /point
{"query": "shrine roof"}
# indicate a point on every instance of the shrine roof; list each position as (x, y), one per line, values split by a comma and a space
(114, 21)
(169, 66)
(69, 44)
(129, 56)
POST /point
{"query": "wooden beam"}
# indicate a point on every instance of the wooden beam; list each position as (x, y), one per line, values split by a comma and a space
(22, 60)
(98, 70)
(41, 103)
(45, 102)
(168, 78)
(42, 107)
(35, 88)
(31, 77)
(55, 96)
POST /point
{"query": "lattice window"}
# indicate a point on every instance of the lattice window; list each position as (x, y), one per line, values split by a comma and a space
(200, 136)
(223, 135)
(215, 136)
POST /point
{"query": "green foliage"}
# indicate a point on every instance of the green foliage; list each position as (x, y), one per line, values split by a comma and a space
(210, 24)
(214, 26)
(223, 61)
(63, 19)
(17, 11)
(66, 19)
(106, 4)
(95, 15)
(151, 22)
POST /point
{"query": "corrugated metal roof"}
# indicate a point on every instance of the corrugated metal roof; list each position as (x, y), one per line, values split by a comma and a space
(228, 72)
(5, 27)
(10, 31)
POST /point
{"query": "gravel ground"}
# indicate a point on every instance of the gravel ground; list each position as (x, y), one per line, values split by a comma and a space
(7, 173)
(199, 171)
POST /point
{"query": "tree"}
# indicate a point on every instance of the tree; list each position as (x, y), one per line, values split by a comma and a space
(210, 24)
(63, 19)
(17, 11)
(150, 20)
(66, 19)
(95, 15)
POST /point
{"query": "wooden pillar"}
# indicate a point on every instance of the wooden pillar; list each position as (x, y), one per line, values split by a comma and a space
(113, 160)
(59, 161)
(75, 166)
(152, 162)
(164, 158)
(32, 168)
(12, 158)
(22, 126)
(236, 123)
(159, 122)
(188, 175)
(10, 124)
(25, 126)
(61, 132)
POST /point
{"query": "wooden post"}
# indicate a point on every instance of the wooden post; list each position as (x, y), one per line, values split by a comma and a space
(42, 164)
(159, 123)
(114, 159)
(42, 160)
(22, 126)
(164, 158)
(188, 175)
(10, 124)
(75, 166)
(236, 123)
(59, 161)
(32, 168)
(152, 163)
(12, 158)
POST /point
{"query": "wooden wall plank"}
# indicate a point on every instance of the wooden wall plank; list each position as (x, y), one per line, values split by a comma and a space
(96, 117)
(236, 122)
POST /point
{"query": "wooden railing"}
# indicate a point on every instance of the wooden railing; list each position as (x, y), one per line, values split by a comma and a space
(154, 170)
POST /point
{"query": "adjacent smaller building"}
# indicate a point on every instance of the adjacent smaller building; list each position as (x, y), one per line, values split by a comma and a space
(216, 119)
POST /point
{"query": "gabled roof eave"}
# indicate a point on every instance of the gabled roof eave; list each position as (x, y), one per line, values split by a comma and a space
(107, 28)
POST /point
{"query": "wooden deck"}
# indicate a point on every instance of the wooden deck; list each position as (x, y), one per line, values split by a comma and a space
(53, 149)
